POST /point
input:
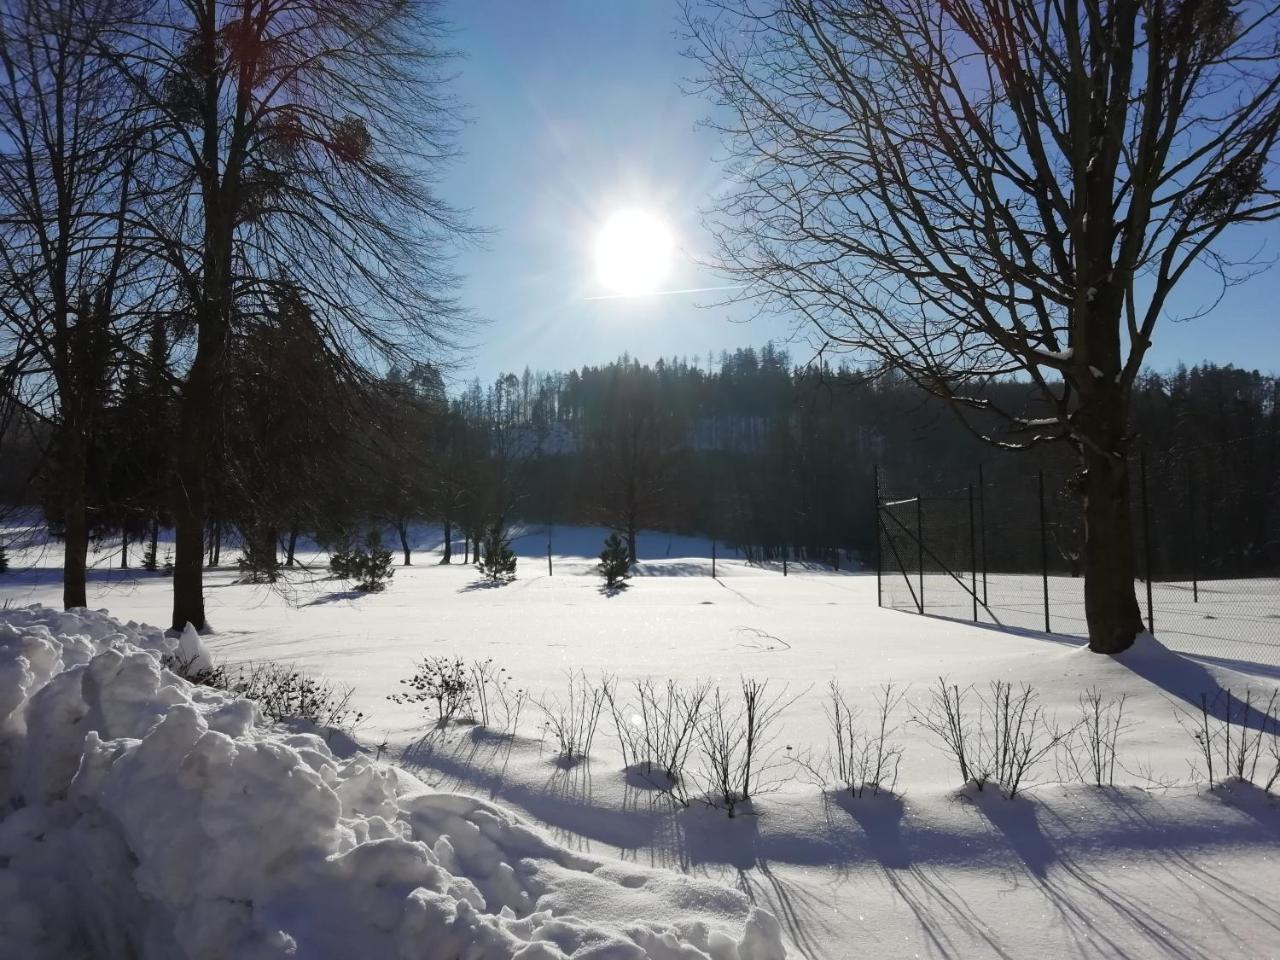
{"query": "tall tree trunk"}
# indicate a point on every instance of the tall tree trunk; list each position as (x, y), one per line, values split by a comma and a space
(195, 436)
(1110, 604)
(75, 523)
(448, 542)
(124, 548)
(403, 530)
(293, 545)
(188, 520)
(466, 548)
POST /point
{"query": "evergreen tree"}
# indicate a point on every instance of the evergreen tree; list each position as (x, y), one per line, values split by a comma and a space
(368, 567)
(615, 561)
(4, 560)
(497, 561)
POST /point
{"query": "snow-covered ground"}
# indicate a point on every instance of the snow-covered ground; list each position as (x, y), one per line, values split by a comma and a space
(1156, 866)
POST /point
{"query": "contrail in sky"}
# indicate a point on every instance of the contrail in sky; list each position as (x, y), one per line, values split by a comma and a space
(664, 293)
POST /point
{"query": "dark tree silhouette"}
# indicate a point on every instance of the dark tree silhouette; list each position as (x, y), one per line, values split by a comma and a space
(292, 142)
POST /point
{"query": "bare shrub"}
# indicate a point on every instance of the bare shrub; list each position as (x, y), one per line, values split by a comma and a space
(444, 683)
(498, 702)
(190, 670)
(658, 730)
(627, 724)
(1006, 740)
(1089, 753)
(572, 722)
(946, 718)
(738, 744)
(1020, 735)
(1231, 733)
(281, 691)
(865, 758)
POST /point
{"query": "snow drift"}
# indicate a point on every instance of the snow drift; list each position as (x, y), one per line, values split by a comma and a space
(141, 816)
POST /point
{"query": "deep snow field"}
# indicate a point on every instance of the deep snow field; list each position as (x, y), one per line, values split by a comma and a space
(1156, 866)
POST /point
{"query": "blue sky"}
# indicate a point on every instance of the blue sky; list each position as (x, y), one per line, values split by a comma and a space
(576, 111)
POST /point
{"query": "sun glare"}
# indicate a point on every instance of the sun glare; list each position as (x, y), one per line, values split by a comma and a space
(633, 253)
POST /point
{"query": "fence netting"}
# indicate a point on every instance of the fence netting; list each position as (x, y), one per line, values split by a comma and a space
(1008, 549)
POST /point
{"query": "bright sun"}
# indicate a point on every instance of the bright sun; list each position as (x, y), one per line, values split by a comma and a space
(633, 253)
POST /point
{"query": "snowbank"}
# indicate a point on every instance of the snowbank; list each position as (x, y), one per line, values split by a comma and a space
(144, 817)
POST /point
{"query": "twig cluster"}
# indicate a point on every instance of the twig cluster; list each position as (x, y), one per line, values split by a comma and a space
(498, 702)
(738, 744)
(861, 759)
(1089, 752)
(658, 729)
(572, 722)
(1238, 738)
(1000, 741)
(444, 682)
(281, 691)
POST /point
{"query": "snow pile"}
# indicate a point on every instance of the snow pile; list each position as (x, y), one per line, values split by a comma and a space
(144, 817)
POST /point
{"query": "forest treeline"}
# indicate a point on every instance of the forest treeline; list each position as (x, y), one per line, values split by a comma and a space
(770, 457)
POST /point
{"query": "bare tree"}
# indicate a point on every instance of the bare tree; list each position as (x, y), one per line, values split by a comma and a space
(969, 190)
(68, 303)
(294, 143)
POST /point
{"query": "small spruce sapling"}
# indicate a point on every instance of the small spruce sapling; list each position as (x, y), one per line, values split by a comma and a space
(368, 567)
(497, 562)
(614, 561)
(4, 560)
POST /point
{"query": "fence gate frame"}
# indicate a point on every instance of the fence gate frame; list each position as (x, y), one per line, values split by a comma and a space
(922, 550)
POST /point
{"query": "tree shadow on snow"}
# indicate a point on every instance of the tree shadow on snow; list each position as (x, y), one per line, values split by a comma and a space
(1076, 892)
(880, 818)
(485, 584)
(1185, 679)
(1027, 633)
(612, 591)
(335, 596)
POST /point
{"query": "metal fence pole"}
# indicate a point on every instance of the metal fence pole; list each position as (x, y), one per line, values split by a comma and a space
(1146, 537)
(982, 529)
(973, 558)
(1044, 553)
(1191, 526)
(713, 559)
(875, 485)
(920, 547)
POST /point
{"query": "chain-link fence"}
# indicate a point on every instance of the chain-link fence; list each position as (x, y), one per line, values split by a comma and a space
(1009, 550)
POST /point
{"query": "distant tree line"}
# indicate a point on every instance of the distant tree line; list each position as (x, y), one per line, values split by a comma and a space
(769, 457)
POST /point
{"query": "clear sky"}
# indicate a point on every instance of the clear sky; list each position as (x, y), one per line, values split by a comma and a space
(576, 111)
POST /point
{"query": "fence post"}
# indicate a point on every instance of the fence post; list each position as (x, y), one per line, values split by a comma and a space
(982, 529)
(875, 519)
(1146, 537)
(973, 558)
(1191, 526)
(920, 547)
(713, 558)
(1044, 553)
